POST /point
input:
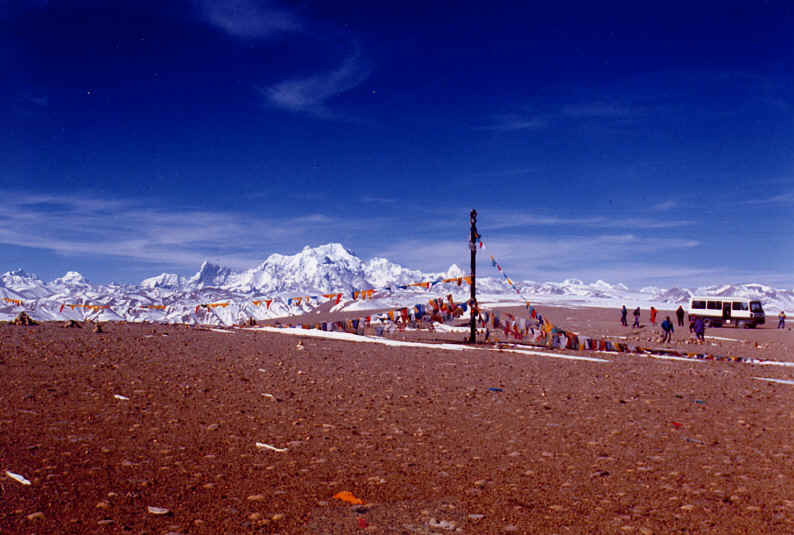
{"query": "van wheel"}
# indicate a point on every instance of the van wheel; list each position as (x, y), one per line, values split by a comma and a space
(708, 323)
(741, 324)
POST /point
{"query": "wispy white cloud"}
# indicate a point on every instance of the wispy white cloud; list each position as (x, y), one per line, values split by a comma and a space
(311, 95)
(782, 198)
(86, 228)
(248, 19)
(512, 123)
(665, 206)
(372, 199)
(506, 220)
(313, 219)
(573, 255)
(90, 226)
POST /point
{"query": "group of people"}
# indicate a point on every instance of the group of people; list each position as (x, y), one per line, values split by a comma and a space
(624, 313)
(697, 326)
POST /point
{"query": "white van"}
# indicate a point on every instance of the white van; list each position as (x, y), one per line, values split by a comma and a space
(734, 311)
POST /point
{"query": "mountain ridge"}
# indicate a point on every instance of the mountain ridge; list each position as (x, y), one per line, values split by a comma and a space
(314, 271)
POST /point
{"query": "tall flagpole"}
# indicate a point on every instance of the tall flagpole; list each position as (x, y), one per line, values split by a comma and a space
(473, 310)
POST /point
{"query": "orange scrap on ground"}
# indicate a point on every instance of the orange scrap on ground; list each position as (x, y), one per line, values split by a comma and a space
(347, 496)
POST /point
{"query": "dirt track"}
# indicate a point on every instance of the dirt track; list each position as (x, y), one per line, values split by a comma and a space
(633, 445)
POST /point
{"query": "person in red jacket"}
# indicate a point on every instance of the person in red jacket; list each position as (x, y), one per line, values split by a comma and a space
(653, 316)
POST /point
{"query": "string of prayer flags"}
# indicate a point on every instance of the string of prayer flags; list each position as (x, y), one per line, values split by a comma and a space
(17, 302)
(265, 301)
(89, 307)
(519, 328)
(495, 264)
(211, 305)
(154, 307)
(363, 294)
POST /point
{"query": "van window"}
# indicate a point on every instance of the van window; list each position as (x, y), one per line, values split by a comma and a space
(698, 304)
(755, 306)
(739, 305)
(714, 305)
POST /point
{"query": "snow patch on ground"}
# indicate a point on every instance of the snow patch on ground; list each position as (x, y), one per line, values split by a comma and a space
(771, 380)
(349, 337)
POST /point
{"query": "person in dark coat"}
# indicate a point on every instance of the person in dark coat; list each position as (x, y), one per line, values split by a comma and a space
(700, 329)
(623, 313)
(636, 317)
(667, 327)
(679, 313)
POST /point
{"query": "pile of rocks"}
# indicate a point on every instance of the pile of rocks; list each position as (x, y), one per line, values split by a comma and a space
(24, 319)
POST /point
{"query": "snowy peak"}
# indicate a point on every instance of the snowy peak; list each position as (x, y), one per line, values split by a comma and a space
(209, 276)
(381, 273)
(674, 295)
(331, 251)
(170, 281)
(16, 277)
(453, 272)
(17, 284)
(750, 291)
(72, 279)
(326, 268)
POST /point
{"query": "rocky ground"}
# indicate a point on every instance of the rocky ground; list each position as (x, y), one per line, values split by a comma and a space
(168, 429)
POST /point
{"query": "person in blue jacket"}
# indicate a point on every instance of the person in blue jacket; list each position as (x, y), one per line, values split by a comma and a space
(667, 327)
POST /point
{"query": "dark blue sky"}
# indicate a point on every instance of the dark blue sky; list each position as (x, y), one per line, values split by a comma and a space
(650, 145)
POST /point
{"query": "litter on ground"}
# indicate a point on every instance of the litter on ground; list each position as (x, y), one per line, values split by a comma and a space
(263, 446)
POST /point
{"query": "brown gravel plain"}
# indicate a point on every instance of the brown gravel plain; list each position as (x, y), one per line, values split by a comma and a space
(629, 446)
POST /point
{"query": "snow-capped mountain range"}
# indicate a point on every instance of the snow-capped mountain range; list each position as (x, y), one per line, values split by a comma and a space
(315, 271)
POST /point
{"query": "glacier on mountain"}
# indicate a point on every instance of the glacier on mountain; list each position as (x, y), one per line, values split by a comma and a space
(314, 271)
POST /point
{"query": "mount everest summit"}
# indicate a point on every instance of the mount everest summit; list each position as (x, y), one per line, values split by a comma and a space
(313, 272)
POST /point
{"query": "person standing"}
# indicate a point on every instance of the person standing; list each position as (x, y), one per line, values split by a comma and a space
(680, 315)
(636, 317)
(781, 320)
(667, 327)
(700, 329)
(623, 313)
(653, 316)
